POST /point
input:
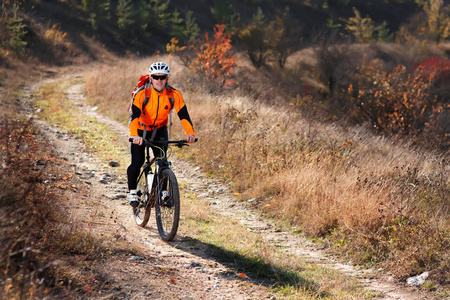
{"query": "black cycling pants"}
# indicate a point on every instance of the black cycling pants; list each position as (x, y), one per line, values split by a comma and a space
(138, 155)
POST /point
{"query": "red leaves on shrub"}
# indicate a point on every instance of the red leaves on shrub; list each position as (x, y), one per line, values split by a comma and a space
(214, 57)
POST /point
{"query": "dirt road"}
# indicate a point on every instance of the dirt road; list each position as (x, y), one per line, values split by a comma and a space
(182, 269)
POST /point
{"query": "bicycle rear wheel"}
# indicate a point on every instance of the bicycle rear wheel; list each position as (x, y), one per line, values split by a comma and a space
(142, 212)
(167, 206)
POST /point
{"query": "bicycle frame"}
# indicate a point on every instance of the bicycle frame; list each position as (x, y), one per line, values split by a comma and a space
(160, 164)
(162, 193)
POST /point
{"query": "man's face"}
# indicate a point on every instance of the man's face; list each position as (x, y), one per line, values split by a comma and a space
(159, 81)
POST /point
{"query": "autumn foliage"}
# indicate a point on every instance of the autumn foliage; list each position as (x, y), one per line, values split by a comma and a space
(440, 67)
(214, 57)
(396, 102)
(435, 64)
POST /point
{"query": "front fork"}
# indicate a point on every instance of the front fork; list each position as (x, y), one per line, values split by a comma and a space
(160, 166)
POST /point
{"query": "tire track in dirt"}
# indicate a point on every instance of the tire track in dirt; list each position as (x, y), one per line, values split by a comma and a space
(197, 275)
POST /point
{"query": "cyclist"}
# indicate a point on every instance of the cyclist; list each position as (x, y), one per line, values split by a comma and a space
(149, 117)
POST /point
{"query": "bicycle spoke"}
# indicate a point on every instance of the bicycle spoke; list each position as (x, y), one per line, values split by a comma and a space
(165, 197)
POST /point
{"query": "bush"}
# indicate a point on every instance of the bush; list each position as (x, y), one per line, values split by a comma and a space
(398, 102)
(215, 59)
(441, 68)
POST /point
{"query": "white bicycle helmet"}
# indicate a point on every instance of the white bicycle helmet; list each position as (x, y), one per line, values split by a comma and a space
(159, 68)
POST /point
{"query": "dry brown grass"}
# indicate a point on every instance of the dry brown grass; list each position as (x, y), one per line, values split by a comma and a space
(113, 87)
(44, 253)
(26, 217)
(38, 240)
(380, 200)
(12, 78)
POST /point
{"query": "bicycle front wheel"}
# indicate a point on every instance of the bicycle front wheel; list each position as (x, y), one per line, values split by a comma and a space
(167, 206)
(142, 212)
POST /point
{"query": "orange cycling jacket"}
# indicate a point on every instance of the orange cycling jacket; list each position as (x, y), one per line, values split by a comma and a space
(157, 109)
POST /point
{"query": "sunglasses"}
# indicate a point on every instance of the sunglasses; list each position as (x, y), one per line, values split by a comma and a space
(157, 77)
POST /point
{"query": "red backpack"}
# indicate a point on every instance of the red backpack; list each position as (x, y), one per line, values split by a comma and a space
(143, 80)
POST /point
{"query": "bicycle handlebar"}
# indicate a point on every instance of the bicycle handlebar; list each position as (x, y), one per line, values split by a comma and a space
(179, 143)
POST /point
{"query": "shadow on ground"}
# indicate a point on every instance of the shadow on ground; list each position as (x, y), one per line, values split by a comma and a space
(255, 269)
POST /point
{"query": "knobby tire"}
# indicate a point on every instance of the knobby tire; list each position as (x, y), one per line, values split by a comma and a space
(167, 211)
(142, 212)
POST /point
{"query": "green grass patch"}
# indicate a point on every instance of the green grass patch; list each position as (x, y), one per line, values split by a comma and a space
(245, 251)
(56, 108)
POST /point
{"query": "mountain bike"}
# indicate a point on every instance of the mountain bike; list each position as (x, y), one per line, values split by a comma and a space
(159, 189)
